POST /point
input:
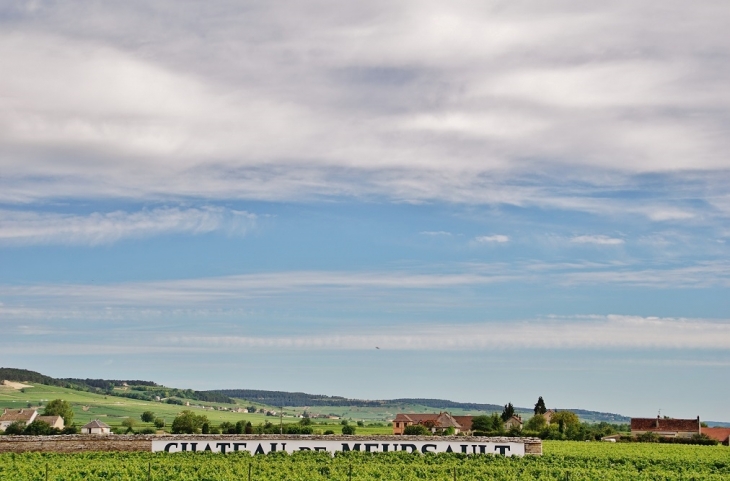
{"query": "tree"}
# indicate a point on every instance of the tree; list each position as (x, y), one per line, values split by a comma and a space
(540, 406)
(38, 428)
(205, 428)
(148, 416)
(15, 428)
(129, 424)
(59, 407)
(481, 423)
(508, 412)
(416, 430)
(360, 424)
(227, 428)
(187, 422)
(536, 423)
(249, 428)
(568, 418)
(344, 422)
(347, 429)
(305, 421)
(240, 427)
(159, 423)
(565, 420)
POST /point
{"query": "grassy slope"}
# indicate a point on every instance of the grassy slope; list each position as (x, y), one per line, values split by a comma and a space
(113, 409)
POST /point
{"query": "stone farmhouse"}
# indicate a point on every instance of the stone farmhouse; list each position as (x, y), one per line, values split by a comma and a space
(668, 428)
(442, 421)
(27, 416)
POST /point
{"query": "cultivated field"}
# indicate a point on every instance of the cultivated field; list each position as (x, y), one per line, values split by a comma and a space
(114, 409)
(562, 460)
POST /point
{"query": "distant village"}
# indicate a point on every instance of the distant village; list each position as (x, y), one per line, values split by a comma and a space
(442, 423)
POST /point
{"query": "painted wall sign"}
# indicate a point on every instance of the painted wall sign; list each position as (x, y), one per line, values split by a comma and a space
(265, 446)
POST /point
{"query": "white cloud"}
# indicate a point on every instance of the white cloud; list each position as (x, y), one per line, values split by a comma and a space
(236, 291)
(576, 332)
(436, 233)
(103, 228)
(597, 239)
(497, 238)
(404, 100)
(590, 332)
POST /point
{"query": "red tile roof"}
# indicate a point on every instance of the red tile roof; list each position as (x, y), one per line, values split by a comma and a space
(464, 422)
(415, 418)
(441, 420)
(721, 434)
(660, 424)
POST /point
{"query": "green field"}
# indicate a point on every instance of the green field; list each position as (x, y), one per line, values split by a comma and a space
(563, 460)
(112, 410)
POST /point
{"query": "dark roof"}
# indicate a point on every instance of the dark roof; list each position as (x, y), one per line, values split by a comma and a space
(721, 434)
(660, 424)
(95, 424)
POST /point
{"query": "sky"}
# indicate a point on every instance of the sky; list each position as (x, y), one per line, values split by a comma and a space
(482, 201)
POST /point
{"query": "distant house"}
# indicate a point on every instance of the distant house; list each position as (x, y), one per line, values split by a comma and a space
(95, 427)
(10, 416)
(465, 423)
(548, 415)
(720, 434)
(435, 422)
(513, 422)
(53, 421)
(665, 427)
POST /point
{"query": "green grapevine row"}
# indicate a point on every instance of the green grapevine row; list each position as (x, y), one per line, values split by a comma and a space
(562, 461)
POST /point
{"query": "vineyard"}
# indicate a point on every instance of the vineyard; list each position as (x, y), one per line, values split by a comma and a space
(562, 461)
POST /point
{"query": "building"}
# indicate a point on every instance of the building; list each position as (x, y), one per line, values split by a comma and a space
(720, 434)
(548, 415)
(53, 421)
(95, 427)
(665, 427)
(435, 422)
(10, 416)
(514, 422)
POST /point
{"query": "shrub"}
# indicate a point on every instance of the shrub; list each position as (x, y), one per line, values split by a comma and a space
(348, 430)
(188, 422)
(38, 428)
(148, 416)
(73, 429)
(227, 428)
(329, 432)
(416, 430)
(159, 423)
(16, 428)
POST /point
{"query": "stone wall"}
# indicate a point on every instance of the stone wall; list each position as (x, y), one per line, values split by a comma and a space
(85, 442)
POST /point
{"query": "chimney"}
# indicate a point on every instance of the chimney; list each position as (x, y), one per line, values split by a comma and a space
(657, 421)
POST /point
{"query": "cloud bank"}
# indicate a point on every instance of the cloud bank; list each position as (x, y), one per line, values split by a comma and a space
(477, 102)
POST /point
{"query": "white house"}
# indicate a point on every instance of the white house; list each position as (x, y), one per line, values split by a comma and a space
(95, 427)
(10, 416)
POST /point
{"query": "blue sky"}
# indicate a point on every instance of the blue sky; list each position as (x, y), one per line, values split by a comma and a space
(510, 200)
